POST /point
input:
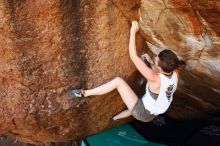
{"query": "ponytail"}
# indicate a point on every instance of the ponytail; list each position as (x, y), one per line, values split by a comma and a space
(181, 64)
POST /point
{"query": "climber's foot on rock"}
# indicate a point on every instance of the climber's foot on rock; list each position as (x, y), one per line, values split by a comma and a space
(111, 119)
(76, 93)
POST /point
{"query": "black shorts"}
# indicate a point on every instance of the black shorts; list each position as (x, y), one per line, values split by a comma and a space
(140, 113)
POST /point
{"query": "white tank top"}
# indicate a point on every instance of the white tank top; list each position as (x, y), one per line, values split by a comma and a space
(168, 86)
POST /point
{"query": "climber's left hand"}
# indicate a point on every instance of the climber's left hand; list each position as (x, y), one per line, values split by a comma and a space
(134, 26)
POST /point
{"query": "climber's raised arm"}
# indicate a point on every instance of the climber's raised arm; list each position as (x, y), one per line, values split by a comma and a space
(147, 72)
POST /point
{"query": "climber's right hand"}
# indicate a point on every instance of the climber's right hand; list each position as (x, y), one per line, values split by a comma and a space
(146, 56)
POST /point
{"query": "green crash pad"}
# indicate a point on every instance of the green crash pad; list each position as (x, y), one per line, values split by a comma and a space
(123, 135)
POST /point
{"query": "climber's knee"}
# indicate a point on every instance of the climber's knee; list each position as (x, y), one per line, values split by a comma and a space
(119, 80)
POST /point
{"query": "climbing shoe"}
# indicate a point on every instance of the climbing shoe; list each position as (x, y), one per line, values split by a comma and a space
(76, 93)
(111, 119)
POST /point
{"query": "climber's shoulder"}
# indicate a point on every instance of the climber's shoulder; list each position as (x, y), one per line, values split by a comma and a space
(154, 76)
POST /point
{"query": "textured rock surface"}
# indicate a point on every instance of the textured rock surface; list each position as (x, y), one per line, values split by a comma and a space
(48, 47)
(191, 29)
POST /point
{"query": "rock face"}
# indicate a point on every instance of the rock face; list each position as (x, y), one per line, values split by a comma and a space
(50, 46)
(191, 29)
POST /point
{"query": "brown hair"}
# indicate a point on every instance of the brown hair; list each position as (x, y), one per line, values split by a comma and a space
(168, 61)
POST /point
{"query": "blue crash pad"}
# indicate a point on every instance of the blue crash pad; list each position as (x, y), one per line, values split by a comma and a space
(123, 135)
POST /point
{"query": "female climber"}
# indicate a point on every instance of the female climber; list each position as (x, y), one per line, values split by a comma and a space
(161, 84)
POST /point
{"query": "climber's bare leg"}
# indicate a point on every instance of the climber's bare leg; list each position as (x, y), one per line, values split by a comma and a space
(127, 94)
(123, 114)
